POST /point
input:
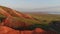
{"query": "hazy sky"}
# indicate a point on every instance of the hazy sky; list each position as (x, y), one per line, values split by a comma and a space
(31, 4)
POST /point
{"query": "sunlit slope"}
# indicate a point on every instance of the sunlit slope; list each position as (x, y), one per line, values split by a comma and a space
(15, 13)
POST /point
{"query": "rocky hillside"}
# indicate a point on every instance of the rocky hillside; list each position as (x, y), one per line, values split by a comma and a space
(9, 12)
(14, 20)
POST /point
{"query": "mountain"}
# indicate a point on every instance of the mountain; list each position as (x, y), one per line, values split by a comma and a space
(15, 20)
(7, 11)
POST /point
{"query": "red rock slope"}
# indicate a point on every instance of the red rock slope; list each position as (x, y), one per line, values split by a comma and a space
(9, 13)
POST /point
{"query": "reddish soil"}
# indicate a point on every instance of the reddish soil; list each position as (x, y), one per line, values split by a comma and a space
(7, 30)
